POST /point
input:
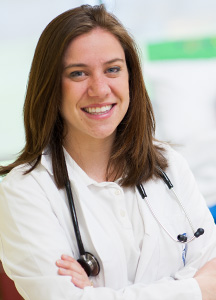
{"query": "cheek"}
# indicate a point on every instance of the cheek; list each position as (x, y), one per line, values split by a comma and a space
(121, 87)
(73, 92)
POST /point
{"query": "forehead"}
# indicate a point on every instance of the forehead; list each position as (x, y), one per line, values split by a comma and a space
(98, 44)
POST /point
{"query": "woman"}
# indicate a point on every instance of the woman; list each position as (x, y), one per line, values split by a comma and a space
(89, 127)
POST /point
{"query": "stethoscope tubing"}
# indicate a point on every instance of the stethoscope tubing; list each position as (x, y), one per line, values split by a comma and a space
(74, 218)
(180, 238)
(169, 234)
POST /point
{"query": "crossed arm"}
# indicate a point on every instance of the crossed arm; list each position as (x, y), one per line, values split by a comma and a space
(205, 277)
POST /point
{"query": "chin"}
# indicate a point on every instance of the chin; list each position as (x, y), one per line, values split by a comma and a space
(104, 135)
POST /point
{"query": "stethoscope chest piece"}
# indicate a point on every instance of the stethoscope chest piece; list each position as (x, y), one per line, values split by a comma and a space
(89, 263)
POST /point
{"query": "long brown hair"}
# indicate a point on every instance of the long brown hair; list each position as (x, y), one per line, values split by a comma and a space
(134, 156)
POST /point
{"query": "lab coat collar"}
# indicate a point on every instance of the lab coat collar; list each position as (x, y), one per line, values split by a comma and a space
(46, 160)
(73, 169)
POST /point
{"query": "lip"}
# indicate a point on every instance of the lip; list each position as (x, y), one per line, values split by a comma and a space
(98, 105)
(99, 116)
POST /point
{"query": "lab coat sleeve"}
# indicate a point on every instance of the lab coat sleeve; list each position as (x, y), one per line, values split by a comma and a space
(32, 240)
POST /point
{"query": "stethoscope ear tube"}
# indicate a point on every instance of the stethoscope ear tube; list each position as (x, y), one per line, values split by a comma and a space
(183, 239)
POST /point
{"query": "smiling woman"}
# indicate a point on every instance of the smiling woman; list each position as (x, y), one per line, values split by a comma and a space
(95, 92)
(61, 71)
(89, 152)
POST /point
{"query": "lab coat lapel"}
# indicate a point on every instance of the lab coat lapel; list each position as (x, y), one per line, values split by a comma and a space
(149, 258)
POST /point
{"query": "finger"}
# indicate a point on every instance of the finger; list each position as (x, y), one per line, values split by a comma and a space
(74, 274)
(78, 280)
(72, 260)
(81, 283)
(67, 257)
(70, 265)
(67, 272)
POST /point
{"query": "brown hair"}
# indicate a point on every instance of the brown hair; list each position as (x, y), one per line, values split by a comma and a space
(134, 155)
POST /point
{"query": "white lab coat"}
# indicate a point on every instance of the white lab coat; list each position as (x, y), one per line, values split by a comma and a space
(36, 229)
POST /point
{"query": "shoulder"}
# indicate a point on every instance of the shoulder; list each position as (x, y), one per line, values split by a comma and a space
(15, 177)
(173, 157)
(22, 176)
(19, 184)
(178, 169)
(18, 176)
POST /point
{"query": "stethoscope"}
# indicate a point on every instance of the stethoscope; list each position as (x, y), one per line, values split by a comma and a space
(88, 261)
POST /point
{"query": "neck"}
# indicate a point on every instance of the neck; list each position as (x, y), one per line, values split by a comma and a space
(92, 155)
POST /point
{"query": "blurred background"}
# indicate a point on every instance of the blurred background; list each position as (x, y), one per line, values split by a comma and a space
(178, 47)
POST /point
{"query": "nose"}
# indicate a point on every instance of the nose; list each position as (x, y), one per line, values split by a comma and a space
(98, 87)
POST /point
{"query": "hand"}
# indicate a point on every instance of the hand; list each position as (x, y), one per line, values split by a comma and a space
(70, 267)
(206, 278)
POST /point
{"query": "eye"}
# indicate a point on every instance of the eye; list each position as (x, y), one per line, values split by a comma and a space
(77, 74)
(113, 70)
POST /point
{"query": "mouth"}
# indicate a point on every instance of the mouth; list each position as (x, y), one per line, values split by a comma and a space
(98, 110)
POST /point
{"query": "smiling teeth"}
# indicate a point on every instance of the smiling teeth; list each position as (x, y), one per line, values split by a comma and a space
(97, 110)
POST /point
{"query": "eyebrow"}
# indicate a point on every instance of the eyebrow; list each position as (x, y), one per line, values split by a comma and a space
(84, 65)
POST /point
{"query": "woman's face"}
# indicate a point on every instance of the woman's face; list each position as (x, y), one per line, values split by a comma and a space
(95, 85)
